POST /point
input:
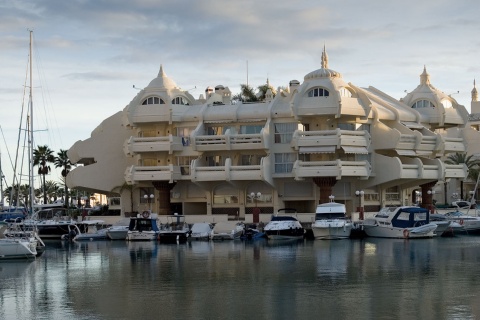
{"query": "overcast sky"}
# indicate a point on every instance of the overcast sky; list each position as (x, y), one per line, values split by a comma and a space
(89, 53)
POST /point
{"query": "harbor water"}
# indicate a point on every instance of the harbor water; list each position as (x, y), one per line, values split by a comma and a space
(345, 279)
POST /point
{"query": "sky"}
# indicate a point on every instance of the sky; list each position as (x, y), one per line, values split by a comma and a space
(88, 54)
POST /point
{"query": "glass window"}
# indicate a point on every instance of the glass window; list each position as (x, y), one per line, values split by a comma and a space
(153, 100)
(447, 103)
(180, 100)
(250, 160)
(284, 132)
(318, 92)
(250, 129)
(284, 162)
(148, 162)
(215, 161)
(184, 164)
(344, 92)
(422, 104)
(184, 132)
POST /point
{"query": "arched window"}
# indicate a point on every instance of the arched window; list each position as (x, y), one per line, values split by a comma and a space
(344, 92)
(180, 100)
(318, 92)
(153, 100)
(447, 103)
(422, 104)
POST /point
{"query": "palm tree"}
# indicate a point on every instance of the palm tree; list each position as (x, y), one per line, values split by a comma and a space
(459, 158)
(247, 94)
(42, 156)
(62, 161)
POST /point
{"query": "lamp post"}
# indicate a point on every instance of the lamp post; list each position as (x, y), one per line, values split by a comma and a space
(359, 194)
(331, 198)
(149, 199)
(256, 211)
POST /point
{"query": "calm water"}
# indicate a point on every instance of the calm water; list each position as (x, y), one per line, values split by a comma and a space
(347, 279)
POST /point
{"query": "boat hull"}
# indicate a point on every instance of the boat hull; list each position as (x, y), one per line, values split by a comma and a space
(18, 248)
(141, 236)
(172, 236)
(378, 231)
(331, 229)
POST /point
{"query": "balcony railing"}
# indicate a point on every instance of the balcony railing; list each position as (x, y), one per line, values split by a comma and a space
(336, 138)
(168, 144)
(337, 168)
(228, 142)
(169, 173)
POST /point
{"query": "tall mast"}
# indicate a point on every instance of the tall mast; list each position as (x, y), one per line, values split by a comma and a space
(30, 138)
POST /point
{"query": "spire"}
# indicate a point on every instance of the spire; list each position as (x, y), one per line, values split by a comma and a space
(161, 74)
(474, 92)
(424, 77)
(324, 58)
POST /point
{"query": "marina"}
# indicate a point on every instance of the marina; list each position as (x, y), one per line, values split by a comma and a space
(346, 279)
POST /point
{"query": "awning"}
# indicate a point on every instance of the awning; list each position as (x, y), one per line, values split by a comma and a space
(357, 150)
(317, 149)
(406, 152)
(217, 121)
(413, 125)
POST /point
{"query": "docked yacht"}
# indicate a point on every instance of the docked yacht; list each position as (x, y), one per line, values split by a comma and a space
(331, 222)
(284, 227)
(119, 230)
(200, 231)
(227, 230)
(175, 231)
(16, 247)
(400, 222)
(468, 223)
(143, 227)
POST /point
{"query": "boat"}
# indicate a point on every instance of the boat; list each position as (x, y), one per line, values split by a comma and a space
(22, 247)
(284, 226)
(91, 232)
(143, 227)
(227, 230)
(50, 223)
(17, 230)
(468, 223)
(331, 222)
(252, 233)
(445, 227)
(400, 222)
(119, 230)
(200, 231)
(176, 230)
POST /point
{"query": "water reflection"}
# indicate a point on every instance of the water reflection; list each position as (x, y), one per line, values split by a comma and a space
(346, 279)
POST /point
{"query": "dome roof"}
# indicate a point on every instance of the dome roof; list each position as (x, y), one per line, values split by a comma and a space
(323, 72)
(162, 81)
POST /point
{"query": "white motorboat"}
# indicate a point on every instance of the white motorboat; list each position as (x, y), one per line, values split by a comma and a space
(18, 230)
(119, 230)
(400, 222)
(175, 231)
(143, 227)
(227, 230)
(445, 227)
(284, 226)
(17, 247)
(200, 231)
(92, 232)
(50, 223)
(331, 222)
(468, 223)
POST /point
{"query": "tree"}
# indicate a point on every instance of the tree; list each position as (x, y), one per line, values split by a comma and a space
(247, 94)
(42, 156)
(62, 161)
(462, 158)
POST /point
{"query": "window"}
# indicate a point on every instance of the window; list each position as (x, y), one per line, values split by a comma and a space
(153, 100)
(147, 133)
(250, 160)
(344, 92)
(284, 132)
(148, 162)
(180, 100)
(218, 130)
(184, 164)
(185, 134)
(250, 129)
(284, 162)
(447, 103)
(422, 104)
(318, 92)
(215, 161)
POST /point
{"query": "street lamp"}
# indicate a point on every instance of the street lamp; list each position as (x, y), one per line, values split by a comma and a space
(331, 198)
(149, 199)
(359, 194)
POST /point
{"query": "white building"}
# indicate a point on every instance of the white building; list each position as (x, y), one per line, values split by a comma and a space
(319, 138)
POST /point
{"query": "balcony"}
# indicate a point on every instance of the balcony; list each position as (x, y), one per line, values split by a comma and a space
(153, 144)
(229, 142)
(330, 140)
(134, 174)
(337, 168)
(229, 172)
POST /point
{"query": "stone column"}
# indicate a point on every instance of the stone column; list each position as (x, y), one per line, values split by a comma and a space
(326, 185)
(163, 199)
(427, 198)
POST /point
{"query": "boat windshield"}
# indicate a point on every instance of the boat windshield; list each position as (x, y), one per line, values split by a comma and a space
(329, 215)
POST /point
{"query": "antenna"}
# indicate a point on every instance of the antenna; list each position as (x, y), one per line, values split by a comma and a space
(450, 95)
(194, 88)
(136, 88)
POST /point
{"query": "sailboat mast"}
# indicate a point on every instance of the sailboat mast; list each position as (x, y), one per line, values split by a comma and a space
(30, 142)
